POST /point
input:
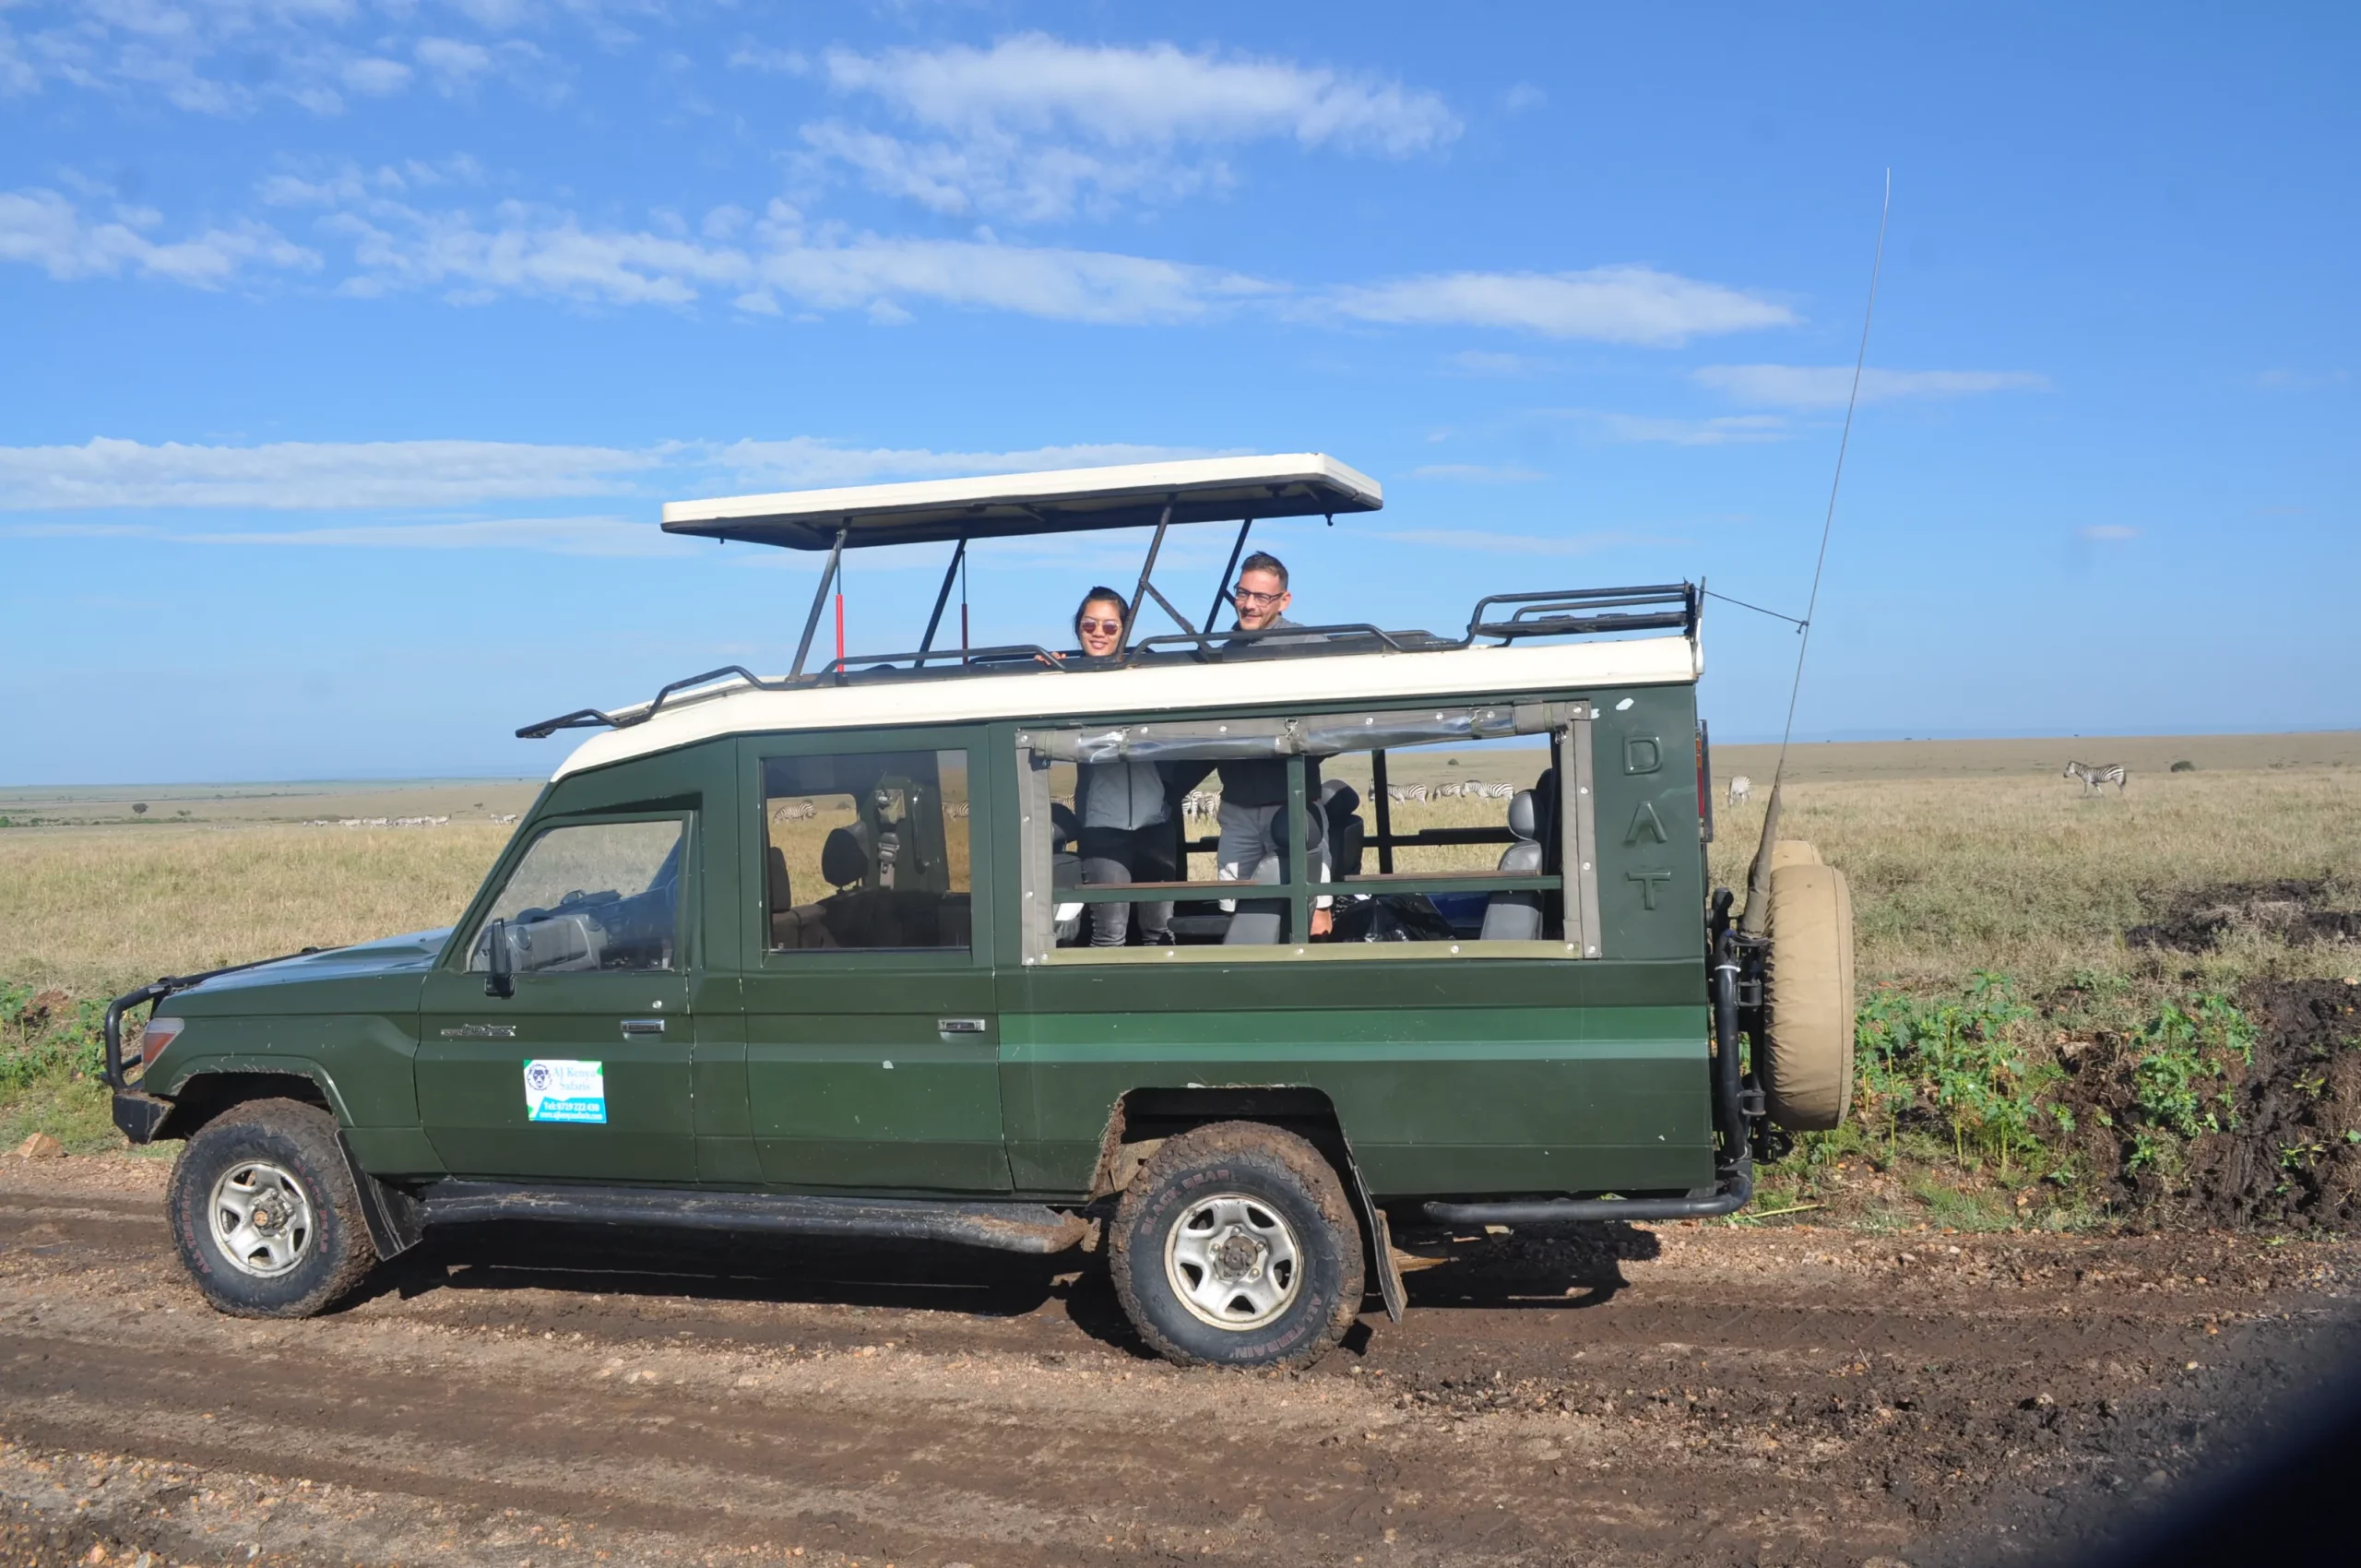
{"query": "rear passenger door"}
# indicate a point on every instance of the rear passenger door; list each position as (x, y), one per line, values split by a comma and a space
(871, 1040)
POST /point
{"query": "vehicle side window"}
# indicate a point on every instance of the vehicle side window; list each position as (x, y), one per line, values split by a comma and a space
(867, 851)
(591, 896)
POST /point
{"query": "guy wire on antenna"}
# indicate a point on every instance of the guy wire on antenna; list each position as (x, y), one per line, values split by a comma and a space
(1828, 524)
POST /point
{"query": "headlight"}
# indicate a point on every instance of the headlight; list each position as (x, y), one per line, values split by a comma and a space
(160, 1033)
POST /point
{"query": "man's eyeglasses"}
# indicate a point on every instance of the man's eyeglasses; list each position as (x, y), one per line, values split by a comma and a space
(1245, 595)
(1113, 628)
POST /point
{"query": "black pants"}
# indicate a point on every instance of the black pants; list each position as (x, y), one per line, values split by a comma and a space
(1112, 856)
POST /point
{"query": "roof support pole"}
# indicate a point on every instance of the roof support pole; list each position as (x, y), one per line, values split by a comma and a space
(958, 557)
(1147, 570)
(819, 603)
(1221, 589)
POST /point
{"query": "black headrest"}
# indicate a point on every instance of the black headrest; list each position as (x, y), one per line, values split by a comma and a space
(843, 859)
(1545, 807)
(1338, 799)
(782, 895)
(1277, 831)
(1524, 820)
(1064, 826)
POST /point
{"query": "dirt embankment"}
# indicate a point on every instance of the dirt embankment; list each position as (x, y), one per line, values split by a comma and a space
(1691, 1394)
(2271, 1126)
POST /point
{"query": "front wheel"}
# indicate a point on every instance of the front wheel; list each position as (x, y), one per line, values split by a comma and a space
(264, 1214)
(1234, 1246)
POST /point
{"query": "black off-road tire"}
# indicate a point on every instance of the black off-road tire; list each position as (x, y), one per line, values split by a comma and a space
(1283, 1192)
(242, 1146)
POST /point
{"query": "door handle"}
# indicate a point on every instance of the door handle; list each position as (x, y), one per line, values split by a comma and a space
(643, 1026)
(960, 1026)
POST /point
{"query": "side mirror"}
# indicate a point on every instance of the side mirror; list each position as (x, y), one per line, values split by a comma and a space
(501, 980)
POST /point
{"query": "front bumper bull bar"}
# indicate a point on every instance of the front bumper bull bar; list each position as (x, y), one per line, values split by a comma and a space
(136, 1112)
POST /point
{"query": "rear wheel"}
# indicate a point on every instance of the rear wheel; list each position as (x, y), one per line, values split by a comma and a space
(264, 1214)
(1234, 1246)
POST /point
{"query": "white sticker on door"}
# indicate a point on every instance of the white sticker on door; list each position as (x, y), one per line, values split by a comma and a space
(566, 1091)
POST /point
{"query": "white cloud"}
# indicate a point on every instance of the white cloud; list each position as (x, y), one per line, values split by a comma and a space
(1479, 361)
(378, 78)
(1151, 96)
(808, 463)
(1522, 97)
(1522, 545)
(2110, 533)
(1478, 473)
(300, 475)
(1035, 128)
(1005, 180)
(762, 266)
(555, 536)
(1828, 386)
(40, 227)
(752, 55)
(456, 65)
(1610, 304)
(310, 476)
(527, 250)
(233, 58)
(1730, 430)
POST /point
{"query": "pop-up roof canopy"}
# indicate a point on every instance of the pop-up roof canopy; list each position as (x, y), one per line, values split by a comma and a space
(1200, 490)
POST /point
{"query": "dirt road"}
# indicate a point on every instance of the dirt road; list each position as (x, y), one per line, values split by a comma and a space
(1694, 1395)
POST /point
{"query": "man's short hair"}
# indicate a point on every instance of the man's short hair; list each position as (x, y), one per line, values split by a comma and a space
(1262, 561)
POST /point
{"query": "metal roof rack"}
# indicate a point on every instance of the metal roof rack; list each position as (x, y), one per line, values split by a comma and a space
(1563, 612)
(1074, 500)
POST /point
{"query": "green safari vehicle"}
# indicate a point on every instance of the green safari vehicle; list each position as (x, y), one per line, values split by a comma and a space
(824, 955)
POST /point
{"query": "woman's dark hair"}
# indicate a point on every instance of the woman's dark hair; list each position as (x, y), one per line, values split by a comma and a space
(1101, 594)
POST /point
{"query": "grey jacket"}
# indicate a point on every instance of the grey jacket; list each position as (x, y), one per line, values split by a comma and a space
(1264, 783)
(1122, 794)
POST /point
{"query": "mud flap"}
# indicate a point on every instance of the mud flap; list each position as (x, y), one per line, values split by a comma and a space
(391, 1214)
(1380, 1238)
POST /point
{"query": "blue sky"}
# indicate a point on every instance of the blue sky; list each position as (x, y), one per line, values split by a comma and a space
(353, 345)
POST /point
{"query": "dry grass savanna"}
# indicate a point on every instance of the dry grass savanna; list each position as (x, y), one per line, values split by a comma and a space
(2072, 1007)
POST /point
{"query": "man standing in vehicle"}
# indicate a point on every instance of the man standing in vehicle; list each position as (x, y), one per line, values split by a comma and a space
(1253, 793)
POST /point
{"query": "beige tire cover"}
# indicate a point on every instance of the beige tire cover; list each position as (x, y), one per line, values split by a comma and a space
(1793, 852)
(1807, 1072)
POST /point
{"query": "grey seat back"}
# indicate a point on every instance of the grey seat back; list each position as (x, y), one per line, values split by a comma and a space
(1262, 921)
(1516, 917)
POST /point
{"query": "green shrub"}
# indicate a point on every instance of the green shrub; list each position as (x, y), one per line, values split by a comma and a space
(1960, 1064)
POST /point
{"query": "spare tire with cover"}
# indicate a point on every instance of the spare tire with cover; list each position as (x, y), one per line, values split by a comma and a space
(1807, 1046)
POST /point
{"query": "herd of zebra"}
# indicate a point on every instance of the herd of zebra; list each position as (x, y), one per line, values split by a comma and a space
(1203, 805)
(2092, 775)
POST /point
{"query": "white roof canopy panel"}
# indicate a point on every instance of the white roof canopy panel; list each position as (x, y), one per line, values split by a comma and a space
(1198, 490)
(1482, 674)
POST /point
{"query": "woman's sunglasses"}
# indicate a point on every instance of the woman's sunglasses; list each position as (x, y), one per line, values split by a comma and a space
(1113, 628)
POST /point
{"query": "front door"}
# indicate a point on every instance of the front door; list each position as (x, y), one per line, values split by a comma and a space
(583, 1071)
(873, 1047)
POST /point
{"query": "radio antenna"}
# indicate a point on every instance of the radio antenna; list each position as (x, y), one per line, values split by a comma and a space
(1828, 523)
(1758, 882)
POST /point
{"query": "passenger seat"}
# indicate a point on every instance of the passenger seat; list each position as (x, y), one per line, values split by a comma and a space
(1516, 917)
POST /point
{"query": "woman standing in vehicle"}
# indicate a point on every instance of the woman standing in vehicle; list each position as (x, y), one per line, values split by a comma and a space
(1126, 807)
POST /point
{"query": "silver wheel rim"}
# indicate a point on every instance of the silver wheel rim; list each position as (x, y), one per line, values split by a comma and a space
(261, 1219)
(1233, 1262)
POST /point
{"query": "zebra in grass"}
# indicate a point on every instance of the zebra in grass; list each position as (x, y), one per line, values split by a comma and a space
(2091, 777)
(1401, 793)
(1741, 789)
